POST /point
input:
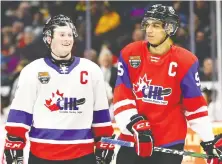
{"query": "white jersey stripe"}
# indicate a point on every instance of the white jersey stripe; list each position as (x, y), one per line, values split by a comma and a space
(123, 102)
(102, 124)
(201, 109)
(12, 124)
(61, 142)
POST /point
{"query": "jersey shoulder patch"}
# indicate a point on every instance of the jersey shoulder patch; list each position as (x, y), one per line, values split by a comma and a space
(132, 49)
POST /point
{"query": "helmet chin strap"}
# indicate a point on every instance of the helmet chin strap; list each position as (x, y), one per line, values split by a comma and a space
(156, 45)
(62, 57)
(61, 62)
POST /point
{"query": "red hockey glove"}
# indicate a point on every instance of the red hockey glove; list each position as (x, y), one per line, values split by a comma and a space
(14, 149)
(140, 128)
(214, 148)
(104, 152)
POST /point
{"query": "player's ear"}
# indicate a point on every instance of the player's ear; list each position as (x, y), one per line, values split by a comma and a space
(49, 39)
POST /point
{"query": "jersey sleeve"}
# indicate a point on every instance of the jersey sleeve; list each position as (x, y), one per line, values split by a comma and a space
(195, 105)
(102, 125)
(124, 101)
(21, 110)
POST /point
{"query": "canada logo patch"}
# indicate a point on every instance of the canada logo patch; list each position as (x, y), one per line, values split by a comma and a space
(145, 91)
(135, 61)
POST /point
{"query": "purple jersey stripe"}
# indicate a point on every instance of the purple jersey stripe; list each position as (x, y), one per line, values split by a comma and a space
(18, 116)
(173, 143)
(101, 116)
(123, 74)
(58, 69)
(189, 84)
(61, 134)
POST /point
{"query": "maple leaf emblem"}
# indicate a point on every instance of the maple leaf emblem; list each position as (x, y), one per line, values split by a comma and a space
(143, 83)
(51, 103)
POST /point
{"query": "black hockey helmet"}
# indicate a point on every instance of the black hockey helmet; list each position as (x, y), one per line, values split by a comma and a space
(165, 14)
(52, 23)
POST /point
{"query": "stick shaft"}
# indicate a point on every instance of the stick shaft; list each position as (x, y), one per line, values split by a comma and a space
(160, 149)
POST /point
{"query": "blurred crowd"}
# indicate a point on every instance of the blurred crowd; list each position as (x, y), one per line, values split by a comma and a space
(114, 24)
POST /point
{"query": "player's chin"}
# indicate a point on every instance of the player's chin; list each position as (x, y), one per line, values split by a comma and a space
(67, 50)
(64, 54)
(152, 42)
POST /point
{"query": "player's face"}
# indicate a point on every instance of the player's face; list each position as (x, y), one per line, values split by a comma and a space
(62, 41)
(155, 32)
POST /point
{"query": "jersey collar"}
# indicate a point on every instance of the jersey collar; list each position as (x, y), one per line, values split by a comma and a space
(63, 69)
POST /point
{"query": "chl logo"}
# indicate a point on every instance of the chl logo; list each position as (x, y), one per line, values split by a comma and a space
(150, 93)
(64, 104)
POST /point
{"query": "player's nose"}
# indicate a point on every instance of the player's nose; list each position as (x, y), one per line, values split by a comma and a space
(149, 29)
(67, 40)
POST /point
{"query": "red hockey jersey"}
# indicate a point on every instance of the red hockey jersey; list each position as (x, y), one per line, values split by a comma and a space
(165, 89)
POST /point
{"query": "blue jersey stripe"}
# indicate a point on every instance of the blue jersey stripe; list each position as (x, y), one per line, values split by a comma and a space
(123, 74)
(101, 116)
(189, 84)
(61, 134)
(18, 116)
(173, 143)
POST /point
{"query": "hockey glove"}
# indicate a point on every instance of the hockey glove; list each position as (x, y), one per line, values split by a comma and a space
(104, 152)
(140, 128)
(214, 148)
(14, 149)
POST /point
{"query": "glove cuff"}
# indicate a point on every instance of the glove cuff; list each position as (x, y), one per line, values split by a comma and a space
(101, 145)
(14, 138)
(14, 143)
(207, 146)
(134, 119)
(97, 139)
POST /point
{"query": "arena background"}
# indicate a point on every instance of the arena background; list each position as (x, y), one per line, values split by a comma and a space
(104, 28)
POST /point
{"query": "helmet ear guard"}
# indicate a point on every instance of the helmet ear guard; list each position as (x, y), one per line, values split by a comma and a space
(48, 33)
(170, 27)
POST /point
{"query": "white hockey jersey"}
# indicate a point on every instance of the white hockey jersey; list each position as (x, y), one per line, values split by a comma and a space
(63, 108)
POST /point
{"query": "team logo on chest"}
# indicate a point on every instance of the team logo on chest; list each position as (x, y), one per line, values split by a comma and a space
(134, 61)
(58, 102)
(145, 91)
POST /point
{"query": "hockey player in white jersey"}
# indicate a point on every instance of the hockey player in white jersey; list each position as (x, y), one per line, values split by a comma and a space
(61, 102)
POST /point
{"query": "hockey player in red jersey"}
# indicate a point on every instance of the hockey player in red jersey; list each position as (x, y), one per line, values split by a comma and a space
(157, 92)
(61, 101)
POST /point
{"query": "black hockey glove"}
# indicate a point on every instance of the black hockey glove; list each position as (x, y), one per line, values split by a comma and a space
(214, 148)
(140, 128)
(13, 150)
(104, 152)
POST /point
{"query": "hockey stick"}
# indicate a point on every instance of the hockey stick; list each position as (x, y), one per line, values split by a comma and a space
(160, 149)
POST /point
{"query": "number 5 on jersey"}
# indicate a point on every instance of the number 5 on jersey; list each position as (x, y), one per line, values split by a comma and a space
(197, 79)
(120, 69)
